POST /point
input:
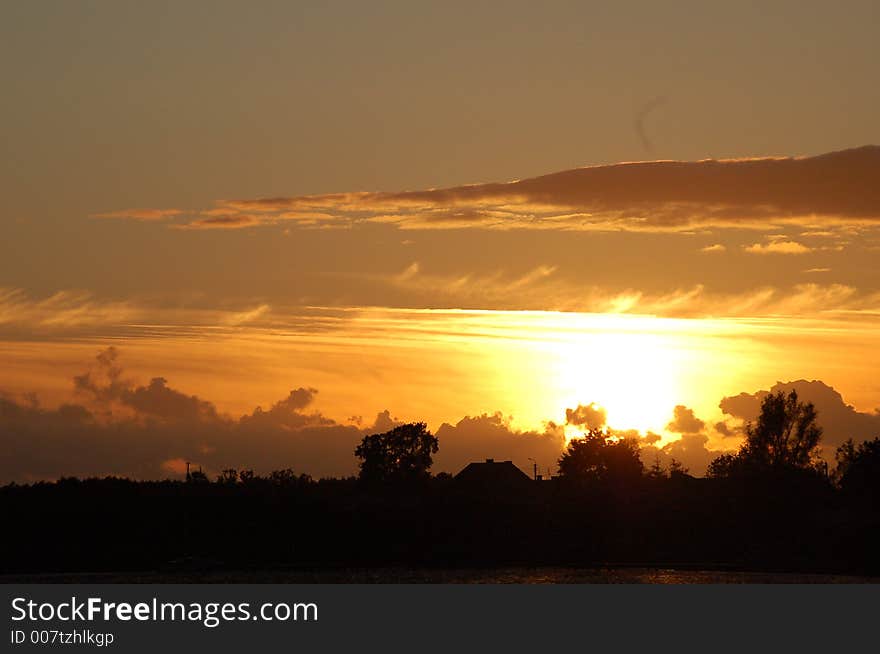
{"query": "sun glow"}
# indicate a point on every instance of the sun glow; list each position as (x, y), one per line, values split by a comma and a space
(631, 367)
(632, 376)
(441, 365)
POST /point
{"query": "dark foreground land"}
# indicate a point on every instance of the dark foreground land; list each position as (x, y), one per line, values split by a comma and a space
(397, 575)
(666, 530)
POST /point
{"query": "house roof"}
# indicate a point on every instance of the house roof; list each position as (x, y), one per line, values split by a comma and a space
(496, 473)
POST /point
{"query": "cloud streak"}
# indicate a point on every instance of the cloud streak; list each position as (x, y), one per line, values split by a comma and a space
(514, 298)
(838, 188)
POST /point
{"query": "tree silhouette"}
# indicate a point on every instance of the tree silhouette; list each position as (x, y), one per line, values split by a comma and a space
(726, 465)
(228, 476)
(599, 457)
(858, 467)
(785, 436)
(402, 454)
(287, 477)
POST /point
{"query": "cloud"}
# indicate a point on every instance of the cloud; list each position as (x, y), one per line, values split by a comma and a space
(148, 430)
(838, 188)
(533, 287)
(591, 416)
(690, 449)
(717, 247)
(235, 221)
(142, 214)
(817, 270)
(64, 309)
(408, 273)
(778, 247)
(247, 316)
(838, 420)
(491, 437)
(104, 385)
(176, 467)
(685, 422)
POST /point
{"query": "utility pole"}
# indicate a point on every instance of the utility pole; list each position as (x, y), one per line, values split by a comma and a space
(534, 469)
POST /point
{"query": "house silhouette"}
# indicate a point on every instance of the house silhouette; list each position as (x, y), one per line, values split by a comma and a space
(493, 474)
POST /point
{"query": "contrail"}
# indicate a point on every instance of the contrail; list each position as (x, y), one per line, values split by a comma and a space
(639, 122)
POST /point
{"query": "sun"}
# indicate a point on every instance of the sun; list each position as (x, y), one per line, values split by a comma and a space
(633, 372)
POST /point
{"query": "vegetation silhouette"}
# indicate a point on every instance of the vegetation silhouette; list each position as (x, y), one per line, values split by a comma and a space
(598, 457)
(785, 438)
(400, 455)
(602, 509)
(858, 470)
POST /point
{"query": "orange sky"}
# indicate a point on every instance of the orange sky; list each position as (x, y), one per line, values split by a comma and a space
(416, 212)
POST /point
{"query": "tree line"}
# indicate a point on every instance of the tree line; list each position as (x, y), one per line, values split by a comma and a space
(773, 504)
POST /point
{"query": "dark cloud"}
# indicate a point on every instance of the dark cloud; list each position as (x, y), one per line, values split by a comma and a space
(591, 416)
(105, 384)
(690, 450)
(839, 187)
(838, 419)
(142, 430)
(147, 430)
(491, 437)
(726, 430)
(684, 421)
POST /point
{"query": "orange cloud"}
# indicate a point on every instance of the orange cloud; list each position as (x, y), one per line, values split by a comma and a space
(142, 214)
(236, 221)
(778, 247)
(655, 196)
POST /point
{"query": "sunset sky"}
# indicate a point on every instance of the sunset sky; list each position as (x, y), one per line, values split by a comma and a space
(512, 221)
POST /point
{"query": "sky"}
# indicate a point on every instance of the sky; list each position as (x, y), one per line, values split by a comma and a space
(497, 218)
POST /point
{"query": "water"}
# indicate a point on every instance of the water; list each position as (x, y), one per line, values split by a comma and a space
(510, 575)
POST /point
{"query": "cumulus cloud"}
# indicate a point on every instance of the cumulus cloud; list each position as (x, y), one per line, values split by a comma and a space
(838, 419)
(591, 416)
(145, 430)
(838, 188)
(691, 449)
(149, 430)
(684, 421)
(491, 437)
(119, 426)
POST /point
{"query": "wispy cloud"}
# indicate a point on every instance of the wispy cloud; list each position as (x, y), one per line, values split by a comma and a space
(717, 247)
(64, 309)
(657, 196)
(141, 214)
(234, 221)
